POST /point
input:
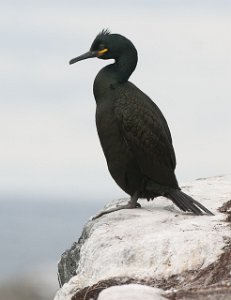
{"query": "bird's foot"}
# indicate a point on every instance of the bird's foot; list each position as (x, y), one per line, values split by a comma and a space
(129, 205)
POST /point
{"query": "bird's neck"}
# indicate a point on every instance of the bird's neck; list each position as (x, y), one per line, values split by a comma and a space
(121, 69)
(112, 76)
(124, 66)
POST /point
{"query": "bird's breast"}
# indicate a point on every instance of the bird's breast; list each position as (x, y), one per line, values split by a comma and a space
(105, 84)
(117, 153)
(108, 128)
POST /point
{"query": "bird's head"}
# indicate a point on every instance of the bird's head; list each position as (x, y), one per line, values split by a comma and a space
(107, 46)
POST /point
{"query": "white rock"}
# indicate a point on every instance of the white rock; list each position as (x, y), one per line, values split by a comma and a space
(156, 241)
(131, 292)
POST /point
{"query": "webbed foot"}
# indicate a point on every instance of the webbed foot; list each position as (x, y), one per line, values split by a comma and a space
(131, 204)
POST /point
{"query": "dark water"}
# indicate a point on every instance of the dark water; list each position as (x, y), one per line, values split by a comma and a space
(33, 232)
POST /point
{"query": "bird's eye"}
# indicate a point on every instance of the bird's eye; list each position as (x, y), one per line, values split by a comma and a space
(101, 47)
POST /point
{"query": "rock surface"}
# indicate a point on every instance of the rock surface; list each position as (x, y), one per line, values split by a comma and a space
(156, 245)
(131, 292)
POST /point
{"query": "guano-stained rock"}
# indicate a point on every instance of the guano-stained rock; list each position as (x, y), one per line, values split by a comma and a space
(154, 242)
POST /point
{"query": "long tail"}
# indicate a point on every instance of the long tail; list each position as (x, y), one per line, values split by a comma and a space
(187, 203)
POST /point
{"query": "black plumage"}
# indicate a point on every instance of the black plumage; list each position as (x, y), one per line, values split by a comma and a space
(133, 132)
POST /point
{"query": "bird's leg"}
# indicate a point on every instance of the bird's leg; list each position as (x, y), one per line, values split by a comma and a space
(132, 203)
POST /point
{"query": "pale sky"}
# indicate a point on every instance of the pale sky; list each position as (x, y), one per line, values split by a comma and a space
(49, 145)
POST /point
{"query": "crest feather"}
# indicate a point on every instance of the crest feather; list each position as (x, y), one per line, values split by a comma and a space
(105, 31)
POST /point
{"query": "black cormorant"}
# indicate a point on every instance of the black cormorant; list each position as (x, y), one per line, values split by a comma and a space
(133, 132)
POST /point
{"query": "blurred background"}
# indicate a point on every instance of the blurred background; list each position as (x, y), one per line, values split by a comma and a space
(53, 175)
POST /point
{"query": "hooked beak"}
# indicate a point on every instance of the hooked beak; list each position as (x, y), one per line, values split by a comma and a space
(86, 55)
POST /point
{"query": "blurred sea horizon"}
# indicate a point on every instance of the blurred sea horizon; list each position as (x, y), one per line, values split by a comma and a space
(34, 233)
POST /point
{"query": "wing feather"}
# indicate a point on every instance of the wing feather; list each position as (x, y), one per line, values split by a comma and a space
(147, 135)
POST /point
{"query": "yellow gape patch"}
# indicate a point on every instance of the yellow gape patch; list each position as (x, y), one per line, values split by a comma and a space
(101, 52)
